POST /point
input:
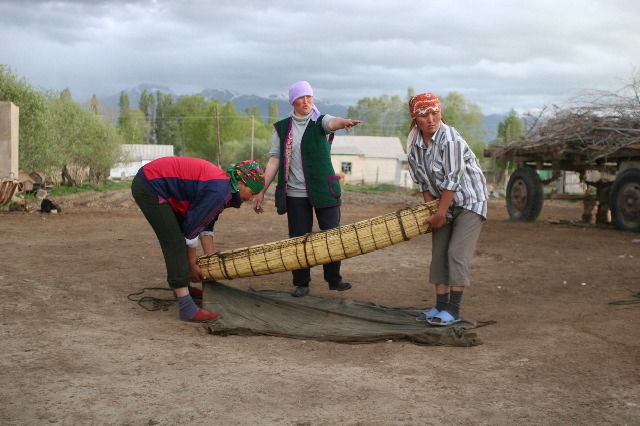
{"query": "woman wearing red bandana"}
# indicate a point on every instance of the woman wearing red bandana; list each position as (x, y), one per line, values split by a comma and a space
(445, 168)
(181, 197)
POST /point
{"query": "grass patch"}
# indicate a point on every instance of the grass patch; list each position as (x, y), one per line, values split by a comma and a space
(109, 185)
(382, 187)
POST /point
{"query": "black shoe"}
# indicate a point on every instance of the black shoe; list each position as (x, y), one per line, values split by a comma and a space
(300, 291)
(341, 286)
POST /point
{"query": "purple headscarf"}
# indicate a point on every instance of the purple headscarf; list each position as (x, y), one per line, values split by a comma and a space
(299, 89)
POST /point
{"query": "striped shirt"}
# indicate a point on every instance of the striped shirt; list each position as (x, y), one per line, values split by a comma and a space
(447, 163)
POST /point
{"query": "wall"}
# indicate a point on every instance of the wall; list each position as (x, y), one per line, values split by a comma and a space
(9, 114)
(368, 171)
(135, 156)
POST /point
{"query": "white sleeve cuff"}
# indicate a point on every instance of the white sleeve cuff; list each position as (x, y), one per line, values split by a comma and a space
(207, 234)
(193, 243)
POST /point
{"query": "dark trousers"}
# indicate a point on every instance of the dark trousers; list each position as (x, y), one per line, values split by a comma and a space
(165, 224)
(300, 220)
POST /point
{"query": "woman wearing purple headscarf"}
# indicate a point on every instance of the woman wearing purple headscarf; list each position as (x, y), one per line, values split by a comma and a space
(301, 156)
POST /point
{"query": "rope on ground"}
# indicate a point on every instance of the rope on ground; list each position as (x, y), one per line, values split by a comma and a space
(151, 303)
(629, 301)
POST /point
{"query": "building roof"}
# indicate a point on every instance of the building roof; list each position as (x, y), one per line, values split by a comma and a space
(369, 146)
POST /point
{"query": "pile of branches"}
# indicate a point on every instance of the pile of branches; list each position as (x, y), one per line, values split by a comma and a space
(598, 125)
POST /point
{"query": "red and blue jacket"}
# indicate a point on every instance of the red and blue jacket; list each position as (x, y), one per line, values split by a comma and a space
(194, 188)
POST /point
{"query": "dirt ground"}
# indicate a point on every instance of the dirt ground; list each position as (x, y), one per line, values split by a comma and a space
(76, 351)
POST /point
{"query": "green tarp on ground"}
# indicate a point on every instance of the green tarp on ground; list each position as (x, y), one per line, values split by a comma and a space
(276, 313)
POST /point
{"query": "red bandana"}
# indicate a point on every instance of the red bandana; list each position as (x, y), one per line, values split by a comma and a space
(423, 103)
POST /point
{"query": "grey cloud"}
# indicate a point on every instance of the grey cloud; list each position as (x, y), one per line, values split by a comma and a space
(499, 54)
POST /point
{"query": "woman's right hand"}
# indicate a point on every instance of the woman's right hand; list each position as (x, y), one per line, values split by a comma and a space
(257, 202)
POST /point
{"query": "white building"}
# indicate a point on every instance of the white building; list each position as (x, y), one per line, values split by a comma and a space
(135, 156)
(370, 160)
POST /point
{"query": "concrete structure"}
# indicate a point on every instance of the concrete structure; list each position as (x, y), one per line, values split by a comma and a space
(9, 172)
(569, 183)
(9, 140)
(370, 160)
(135, 156)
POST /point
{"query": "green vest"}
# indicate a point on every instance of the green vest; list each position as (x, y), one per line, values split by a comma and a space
(323, 186)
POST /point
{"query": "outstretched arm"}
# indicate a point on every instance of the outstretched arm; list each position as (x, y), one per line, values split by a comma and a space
(338, 123)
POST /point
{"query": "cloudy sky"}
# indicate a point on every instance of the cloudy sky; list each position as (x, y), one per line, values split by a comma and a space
(499, 54)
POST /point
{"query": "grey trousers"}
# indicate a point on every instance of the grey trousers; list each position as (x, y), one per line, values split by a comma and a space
(453, 247)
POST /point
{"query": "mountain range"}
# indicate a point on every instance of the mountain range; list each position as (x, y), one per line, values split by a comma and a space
(244, 101)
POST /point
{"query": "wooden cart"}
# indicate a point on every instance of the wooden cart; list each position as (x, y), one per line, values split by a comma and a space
(605, 156)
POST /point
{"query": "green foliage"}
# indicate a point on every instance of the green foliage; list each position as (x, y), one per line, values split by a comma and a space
(381, 187)
(511, 128)
(132, 123)
(382, 116)
(192, 125)
(56, 132)
(35, 149)
(147, 106)
(82, 139)
(165, 127)
(195, 119)
(273, 112)
(85, 187)
(466, 117)
(94, 105)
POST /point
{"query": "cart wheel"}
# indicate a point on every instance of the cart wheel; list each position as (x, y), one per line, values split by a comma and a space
(625, 200)
(524, 194)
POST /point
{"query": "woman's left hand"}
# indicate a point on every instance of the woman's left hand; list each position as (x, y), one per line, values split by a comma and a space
(436, 221)
(195, 274)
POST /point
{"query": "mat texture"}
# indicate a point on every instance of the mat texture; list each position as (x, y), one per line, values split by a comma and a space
(276, 313)
(319, 248)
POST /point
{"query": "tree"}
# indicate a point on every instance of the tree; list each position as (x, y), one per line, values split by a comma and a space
(273, 112)
(56, 132)
(147, 105)
(165, 127)
(35, 150)
(511, 128)
(381, 116)
(132, 123)
(196, 127)
(466, 117)
(94, 105)
(66, 95)
(87, 146)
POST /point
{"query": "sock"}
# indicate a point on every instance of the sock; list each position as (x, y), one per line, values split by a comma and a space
(195, 292)
(441, 301)
(187, 307)
(455, 299)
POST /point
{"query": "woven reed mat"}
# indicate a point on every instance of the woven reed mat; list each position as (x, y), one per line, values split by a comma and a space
(319, 248)
(276, 313)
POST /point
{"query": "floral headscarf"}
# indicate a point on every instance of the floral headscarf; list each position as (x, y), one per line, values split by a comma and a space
(250, 173)
(424, 103)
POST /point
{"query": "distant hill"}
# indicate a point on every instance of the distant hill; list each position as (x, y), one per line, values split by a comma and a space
(240, 101)
(243, 101)
(490, 123)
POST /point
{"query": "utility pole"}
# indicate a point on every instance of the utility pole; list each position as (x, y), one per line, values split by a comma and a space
(218, 133)
(252, 133)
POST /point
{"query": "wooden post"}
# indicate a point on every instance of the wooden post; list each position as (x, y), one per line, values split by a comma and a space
(252, 134)
(218, 136)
